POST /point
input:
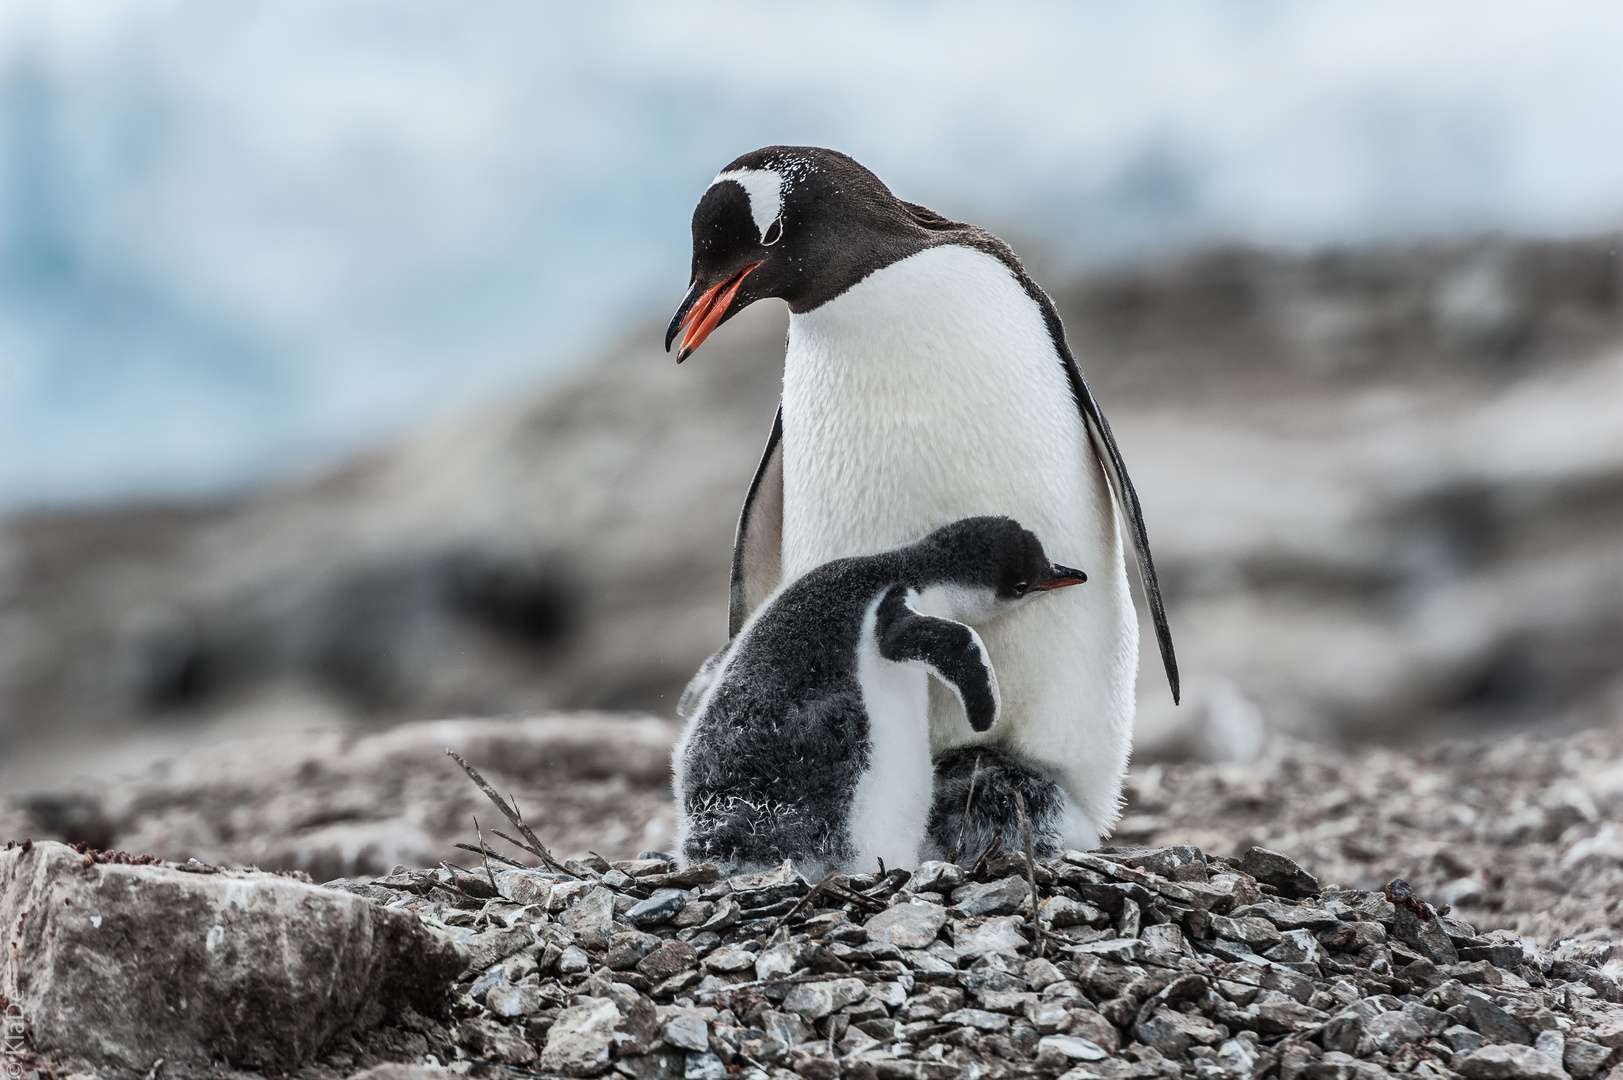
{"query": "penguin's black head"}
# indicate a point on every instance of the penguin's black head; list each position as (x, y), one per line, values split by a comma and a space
(984, 566)
(796, 222)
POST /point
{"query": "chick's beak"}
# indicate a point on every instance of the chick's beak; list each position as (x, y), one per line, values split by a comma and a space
(1063, 576)
(702, 312)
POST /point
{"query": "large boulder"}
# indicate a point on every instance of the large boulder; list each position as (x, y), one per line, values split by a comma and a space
(120, 963)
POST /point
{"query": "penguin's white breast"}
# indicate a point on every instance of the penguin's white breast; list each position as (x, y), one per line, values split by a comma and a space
(928, 392)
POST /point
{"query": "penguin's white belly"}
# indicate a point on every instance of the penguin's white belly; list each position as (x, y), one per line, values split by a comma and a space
(930, 392)
(891, 806)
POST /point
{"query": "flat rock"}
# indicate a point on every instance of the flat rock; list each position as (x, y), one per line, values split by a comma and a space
(578, 1041)
(256, 969)
(1001, 897)
(998, 935)
(813, 1001)
(1509, 1062)
(1281, 871)
(907, 926)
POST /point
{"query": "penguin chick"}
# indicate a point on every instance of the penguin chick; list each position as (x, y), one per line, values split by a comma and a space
(974, 805)
(811, 740)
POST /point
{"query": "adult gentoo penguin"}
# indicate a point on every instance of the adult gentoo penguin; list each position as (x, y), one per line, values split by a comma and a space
(812, 740)
(927, 378)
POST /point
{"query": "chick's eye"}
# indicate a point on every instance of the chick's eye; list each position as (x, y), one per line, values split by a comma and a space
(1021, 587)
(774, 232)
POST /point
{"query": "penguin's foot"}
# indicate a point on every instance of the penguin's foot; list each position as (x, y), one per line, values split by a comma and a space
(974, 805)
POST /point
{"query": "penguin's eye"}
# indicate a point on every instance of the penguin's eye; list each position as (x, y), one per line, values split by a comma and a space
(774, 232)
(1021, 587)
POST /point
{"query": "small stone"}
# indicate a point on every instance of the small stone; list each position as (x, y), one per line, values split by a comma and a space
(1386, 1032)
(1344, 1030)
(705, 1066)
(578, 1041)
(627, 950)
(907, 926)
(728, 958)
(1279, 1017)
(980, 1019)
(497, 1042)
(1061, 912)
(1256, 932)
(1072, 1048)
(1289, 916)
(483, 983)
(1164, 937)
(1013, 1002)
(998, 935)
(1495, 1024)
(936, 876)
(1462, 1039)
(658, 908)
(592, 912)
(1583, 1058)
(1002, 897)
(687, 1032)
(1048, 1017)
(813, 1001)
(573, 961)
(1040, 973)
(786, 1028)
(507, 1000)
(1509, 1062)
(1122, 950)
(1173, 1033)
(1295, 947)
(493, 946)
(1280, 871)
(671, 958)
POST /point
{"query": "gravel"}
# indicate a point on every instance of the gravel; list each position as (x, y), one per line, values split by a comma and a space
(771, 975)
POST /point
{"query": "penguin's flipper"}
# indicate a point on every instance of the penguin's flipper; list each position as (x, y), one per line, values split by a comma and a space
(758, 545)
(1116, 470)
(951, 651)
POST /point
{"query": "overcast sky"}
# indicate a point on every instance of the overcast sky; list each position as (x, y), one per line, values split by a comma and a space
(242, 239)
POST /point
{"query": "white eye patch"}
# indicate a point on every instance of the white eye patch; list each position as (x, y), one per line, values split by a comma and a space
(765, 190)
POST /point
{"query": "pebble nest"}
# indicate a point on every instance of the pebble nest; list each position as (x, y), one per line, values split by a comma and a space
(1140, 962)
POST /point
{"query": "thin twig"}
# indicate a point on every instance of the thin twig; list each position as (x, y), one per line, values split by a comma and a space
(535, 846)
(969, 801)
(498, 856)
(804, 900)
(486, 853)
(1031, 873)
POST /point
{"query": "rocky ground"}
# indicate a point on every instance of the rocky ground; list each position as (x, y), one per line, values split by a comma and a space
(1148, 962)
(1191, 950)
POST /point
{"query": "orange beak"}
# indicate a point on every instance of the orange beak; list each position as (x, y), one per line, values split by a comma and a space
(706, 313)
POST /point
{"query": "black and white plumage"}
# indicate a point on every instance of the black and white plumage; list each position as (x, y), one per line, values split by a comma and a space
(927, 378)
(809, 739)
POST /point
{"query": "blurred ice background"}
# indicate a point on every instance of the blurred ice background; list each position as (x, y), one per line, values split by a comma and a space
(330, 389)
(242, 239)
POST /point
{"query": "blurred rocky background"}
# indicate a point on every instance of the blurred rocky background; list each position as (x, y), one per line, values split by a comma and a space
(332, 406)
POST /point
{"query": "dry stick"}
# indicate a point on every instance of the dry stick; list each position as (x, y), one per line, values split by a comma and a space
(1031, 872)
(969, 801)
(804, 900)
(498, 856)
(486, 853)
(535, 846)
